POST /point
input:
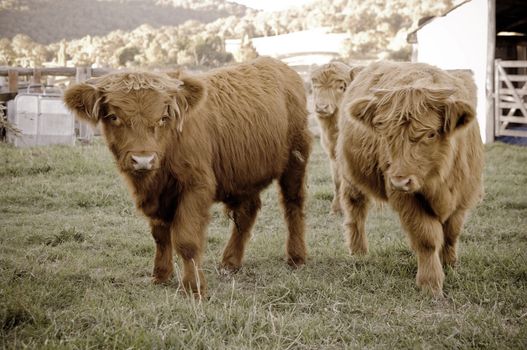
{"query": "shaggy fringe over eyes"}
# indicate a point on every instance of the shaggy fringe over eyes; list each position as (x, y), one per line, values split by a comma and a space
(96, 107)
(327, 75)
(331, 72)
(127, 82)
(403, 103)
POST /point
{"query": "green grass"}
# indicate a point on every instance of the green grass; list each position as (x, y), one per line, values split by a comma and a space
(76, 258)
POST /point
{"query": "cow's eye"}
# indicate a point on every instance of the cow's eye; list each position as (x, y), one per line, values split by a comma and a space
(431, 135)
(164, 120)
(112, 118)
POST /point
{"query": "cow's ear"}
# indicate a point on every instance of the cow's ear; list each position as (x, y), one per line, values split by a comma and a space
(175, 73)
(354, 71)
(188, 93)
(363, 110)
(84, 100)
(458, 115)
(193, 91)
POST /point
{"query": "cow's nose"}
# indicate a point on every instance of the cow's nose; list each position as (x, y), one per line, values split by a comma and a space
(401, 182)
(321, 108)
(143, 162)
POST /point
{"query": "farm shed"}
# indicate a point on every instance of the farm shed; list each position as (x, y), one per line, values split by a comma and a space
(315, 46)
(488, 37)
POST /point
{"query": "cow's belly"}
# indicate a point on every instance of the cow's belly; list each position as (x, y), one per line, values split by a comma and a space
(248, 162)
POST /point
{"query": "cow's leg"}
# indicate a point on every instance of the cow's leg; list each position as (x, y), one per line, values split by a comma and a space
(451, 230)
(188, 236)
(163, 266)
(244, 216)
(292, 189)
(335, 204)
(355, 208)
(426, 237)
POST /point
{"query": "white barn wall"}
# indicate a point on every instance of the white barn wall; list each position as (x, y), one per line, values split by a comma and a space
(459, 41)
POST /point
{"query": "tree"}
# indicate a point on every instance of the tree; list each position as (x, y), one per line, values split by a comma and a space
(127, 55)
(246, 52)
(7, 54)
(154, 53)
(209, 51)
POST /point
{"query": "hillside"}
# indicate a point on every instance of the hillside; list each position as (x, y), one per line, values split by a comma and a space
(166, 33)
(48, 21)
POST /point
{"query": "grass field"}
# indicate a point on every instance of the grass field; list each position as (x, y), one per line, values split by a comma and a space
(76, 258)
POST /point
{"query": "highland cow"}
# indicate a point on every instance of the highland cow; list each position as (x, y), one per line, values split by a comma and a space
(409, 136)
(329, 82)
(183, 144)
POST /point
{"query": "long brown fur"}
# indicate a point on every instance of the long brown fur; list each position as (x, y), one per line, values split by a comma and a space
(409, 136)
(220, 136)
(329, 82)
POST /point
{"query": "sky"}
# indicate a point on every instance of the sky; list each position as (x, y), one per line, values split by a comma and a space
(271, 5)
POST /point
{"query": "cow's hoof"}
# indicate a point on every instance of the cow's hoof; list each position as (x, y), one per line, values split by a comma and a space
(358, 250)
(296, 261)
(227, 268)
(335, 212)
(431, 285)
(156, 280)
(161, 276)
(198, 295)
(335, 208)
(449, 256)
(197, 290)
(230, 264)
(432, 291)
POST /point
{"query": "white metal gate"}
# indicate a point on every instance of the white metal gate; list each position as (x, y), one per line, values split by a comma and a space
(510, 93)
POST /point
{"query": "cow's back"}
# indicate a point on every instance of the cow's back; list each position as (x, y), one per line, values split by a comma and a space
(255, 111)
(465, 179)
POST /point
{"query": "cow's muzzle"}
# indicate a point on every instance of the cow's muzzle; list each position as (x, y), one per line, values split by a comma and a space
(402, 183)
(324, 110)
(142, 162)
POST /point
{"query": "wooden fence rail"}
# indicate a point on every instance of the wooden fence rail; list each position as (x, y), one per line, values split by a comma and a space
(57, 71)
(14, 73)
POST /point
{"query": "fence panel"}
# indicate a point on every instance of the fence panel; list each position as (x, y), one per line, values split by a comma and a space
(510, 98)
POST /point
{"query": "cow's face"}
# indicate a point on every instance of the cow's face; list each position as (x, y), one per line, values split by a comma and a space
(329, 83)
(139, 113)
(415, 128)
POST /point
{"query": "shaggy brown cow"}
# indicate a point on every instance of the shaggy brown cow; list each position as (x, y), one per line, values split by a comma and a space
(409, 137)
(185, 143)
(329, 82)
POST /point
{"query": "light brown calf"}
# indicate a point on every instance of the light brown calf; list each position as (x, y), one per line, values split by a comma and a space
(182, 144)
(329, 82)
(409, 136)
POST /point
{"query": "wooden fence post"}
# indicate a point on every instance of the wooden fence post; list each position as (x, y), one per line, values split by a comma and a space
(13, 80)
(82, 74)
(36, 77)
